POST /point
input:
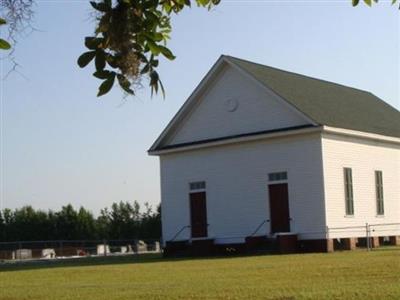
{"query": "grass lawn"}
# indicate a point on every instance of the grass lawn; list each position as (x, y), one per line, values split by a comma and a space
(341, 275)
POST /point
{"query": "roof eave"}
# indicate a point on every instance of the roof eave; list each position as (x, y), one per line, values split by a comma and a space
(277, 133)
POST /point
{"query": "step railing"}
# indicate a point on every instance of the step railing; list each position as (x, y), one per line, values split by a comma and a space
(179, 232)
(259, 227)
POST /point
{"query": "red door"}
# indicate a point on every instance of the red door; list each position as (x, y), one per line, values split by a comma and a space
(198, 214)
(279, 207)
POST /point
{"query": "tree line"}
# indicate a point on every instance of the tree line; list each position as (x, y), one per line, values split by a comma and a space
(123, 220)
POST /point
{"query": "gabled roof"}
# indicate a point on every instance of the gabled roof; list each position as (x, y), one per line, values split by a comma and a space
(325, 102)
(320, 102)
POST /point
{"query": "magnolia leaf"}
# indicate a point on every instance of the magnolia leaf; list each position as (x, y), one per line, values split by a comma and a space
(92, 42)
(145, 69)
(86, 58)
(166, 52)
(104, 74)
(154, 48)
(101, 6)
(125, 84)
(154, 63)
(203, 2)
(106, 86)
(4, 45)
(368, 2)
(154, 79)
(100, 60)
(162, 88)
(355, 2)
(108, 3)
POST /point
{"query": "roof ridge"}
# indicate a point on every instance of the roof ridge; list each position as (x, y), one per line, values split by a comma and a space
(298, 74)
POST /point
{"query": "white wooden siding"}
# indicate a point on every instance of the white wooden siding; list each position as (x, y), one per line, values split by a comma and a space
(237, 187)
(257, 111)
(364, 158)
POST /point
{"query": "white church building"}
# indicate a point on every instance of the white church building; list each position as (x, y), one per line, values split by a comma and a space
(258, 152)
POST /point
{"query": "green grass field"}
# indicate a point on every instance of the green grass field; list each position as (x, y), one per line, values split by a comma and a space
(341, 275)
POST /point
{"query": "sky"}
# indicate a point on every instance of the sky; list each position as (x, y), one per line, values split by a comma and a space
(61, 144)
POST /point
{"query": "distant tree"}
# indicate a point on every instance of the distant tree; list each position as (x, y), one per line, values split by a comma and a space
(25, 224)
(2, 227)
(86, 225)
(103, 224)
(67, 223)
(151, 222)
(123, 220)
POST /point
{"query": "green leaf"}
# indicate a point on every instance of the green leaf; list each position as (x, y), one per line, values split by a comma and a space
(154, 48)
(154, 63)
(100, 60)
(368, 2)
(93, 4)
(86, 58)
(101, 6)
(106, 86)
(162, 88)
(4, 45)
(166, 52)
(145, 69)
(92, 42)
(108, 3)
(150, 4)
(154, 36)
(154, 79)
(2, 21)
(355, 2)
(125, 84)
(104, 74)
(202, 2)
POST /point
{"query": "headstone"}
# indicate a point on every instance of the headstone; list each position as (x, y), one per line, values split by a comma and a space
(23, 254)
(103, 249)
(141, 246)
(157, 246)
(48, 253)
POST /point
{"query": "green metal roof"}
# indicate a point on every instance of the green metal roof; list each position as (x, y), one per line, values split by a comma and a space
(327, 103)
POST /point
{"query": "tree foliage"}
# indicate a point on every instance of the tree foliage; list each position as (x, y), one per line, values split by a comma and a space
(122, 221)
(130, 36)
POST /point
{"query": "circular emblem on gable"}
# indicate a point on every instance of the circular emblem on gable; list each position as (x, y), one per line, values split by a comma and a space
(231, 104)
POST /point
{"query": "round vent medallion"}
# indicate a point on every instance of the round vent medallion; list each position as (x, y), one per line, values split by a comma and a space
(231, 105)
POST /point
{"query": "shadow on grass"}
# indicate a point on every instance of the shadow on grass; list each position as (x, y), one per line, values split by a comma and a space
(98, 261)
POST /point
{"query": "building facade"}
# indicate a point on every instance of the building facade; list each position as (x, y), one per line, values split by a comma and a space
(256, 152)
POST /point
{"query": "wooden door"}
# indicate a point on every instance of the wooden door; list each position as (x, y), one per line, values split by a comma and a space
(279, 207)
(198, 214)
